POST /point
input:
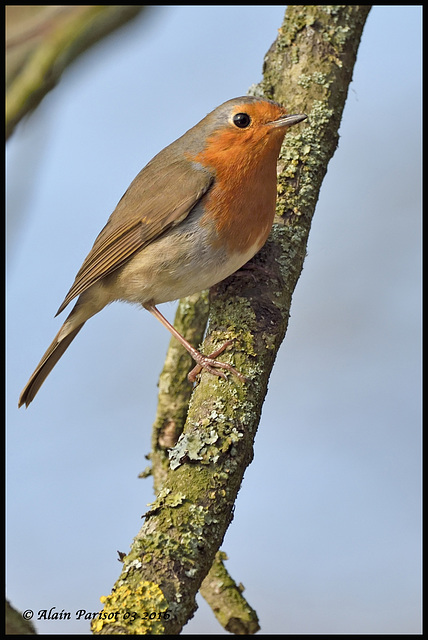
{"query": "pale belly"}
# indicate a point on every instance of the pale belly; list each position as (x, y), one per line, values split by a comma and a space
(176, 266)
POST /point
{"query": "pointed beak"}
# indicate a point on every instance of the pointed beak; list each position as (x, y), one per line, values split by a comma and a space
(288, 120)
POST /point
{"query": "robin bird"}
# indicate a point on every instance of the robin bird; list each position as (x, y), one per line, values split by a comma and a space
(196, 213)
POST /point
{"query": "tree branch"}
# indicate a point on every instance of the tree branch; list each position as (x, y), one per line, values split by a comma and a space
(41, 43)
(174, 388)
(226, 600)
(309, 69)
(218, 588)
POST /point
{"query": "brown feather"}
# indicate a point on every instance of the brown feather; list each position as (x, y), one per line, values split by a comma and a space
(160, 197)
(45, 366)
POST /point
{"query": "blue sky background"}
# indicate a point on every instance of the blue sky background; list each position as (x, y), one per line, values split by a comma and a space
(326, 536)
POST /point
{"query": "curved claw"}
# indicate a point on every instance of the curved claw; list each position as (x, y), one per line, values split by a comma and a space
(203, 362)
(212, 366)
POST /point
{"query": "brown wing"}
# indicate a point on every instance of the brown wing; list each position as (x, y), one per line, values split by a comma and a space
(160, 197)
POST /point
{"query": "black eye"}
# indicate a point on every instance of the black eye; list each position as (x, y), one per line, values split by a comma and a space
(241, 120)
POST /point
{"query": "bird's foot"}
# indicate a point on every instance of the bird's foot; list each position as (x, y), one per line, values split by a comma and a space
(213, 366)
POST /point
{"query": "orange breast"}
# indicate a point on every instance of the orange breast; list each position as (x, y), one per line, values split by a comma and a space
(241, 202)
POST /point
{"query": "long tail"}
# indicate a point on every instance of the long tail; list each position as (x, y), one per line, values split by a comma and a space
(46, 365)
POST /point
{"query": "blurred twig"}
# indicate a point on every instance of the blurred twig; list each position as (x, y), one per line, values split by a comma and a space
(41, 41)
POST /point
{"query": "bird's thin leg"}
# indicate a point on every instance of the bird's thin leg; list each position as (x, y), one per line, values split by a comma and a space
(203, 362)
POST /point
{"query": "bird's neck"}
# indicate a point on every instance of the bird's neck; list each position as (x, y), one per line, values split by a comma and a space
(242, 200)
